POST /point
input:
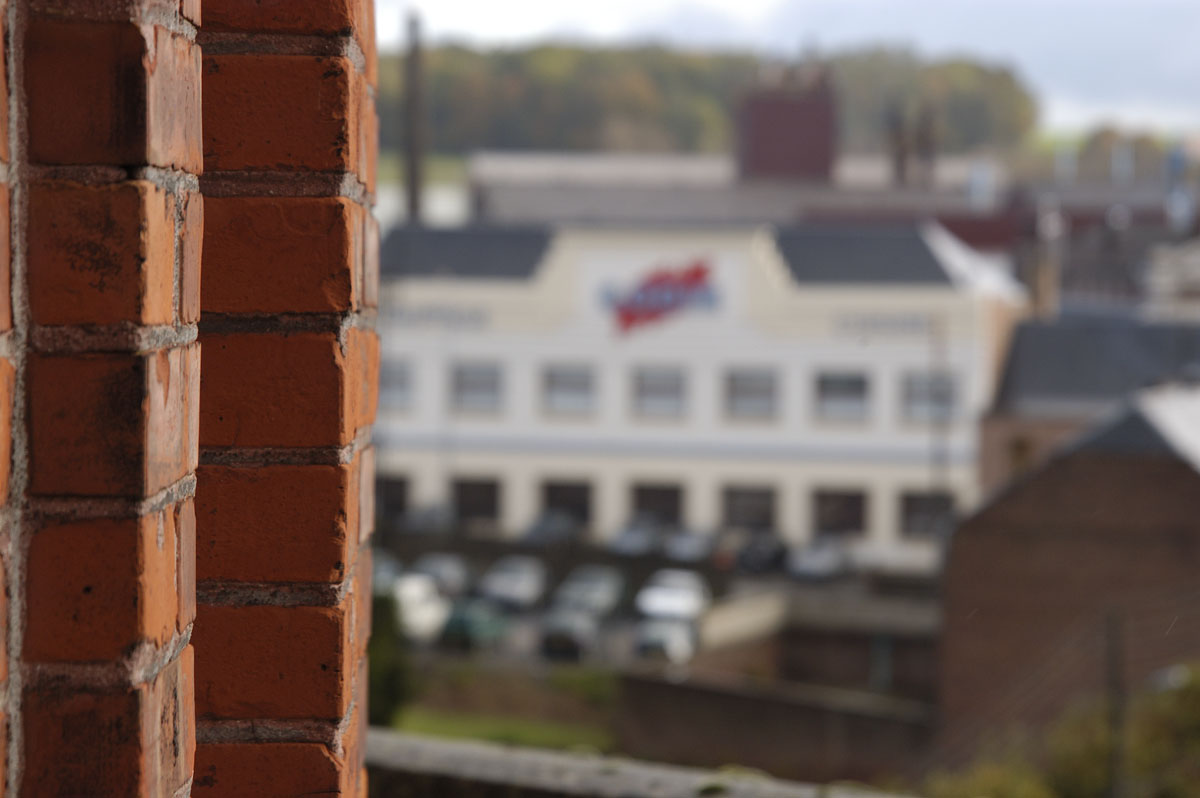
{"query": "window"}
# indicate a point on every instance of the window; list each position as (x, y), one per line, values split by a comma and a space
(842, 397)
(750, 394)
(395, 385)
(568, 390)
(663, 503)
(658, 392)
(476, 387)
(839, 512)
(572, 499)
(477, 503)
(926, 514)
(929, 397)
(750, 508)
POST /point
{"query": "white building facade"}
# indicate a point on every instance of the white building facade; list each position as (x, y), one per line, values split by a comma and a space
(810, 383)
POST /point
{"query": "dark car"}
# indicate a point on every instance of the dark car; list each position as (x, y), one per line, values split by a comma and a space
(762, 552)
(553, 528)
(569, 635)
(474, 624)
(641, 537)
(687, 546)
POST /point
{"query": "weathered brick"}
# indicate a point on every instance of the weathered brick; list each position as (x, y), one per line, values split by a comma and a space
(284, 16)
(131, 418)
(191, 243)
(369, 281)
(361, 396)
(272, 662)
(185, 528)
(111, 93)
(95, 588)
(190, 9)
(280, 254)
(274, 523)
(361, 604)
(5, 259)
(280, 112)
(274, 390)
(101, 254)
(266, 770)
(7, 388)
(135, 742)
(366, 495)
(368, 143)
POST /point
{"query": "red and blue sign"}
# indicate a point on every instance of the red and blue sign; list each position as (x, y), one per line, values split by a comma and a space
(663, 293)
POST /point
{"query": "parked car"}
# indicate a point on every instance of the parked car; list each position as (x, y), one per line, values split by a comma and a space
(687, 546)
(822, 559)
(431, 521)
(422, 609)
(673, 593)
(569, 634)
(727, 546)
(762, 552)
(553, 528)
(514, 582)
(671, 641)
(640, 537)
(594, 589)
(448, 570)
(385, 569)
(473, 625)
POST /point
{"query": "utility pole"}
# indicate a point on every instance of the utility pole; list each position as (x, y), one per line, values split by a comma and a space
(1114, 651)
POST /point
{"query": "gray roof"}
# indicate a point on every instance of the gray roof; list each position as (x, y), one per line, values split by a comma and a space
(844, 254)
(1129, 433)
(1080, 365)
(505, 253)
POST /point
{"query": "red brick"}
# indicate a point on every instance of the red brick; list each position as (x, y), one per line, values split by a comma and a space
(274, 523)
(361, 397)
(272, 662)
(134, 742)
(273, 390)
(190, 9)
(131, 418)
(265, 770)
(4, 153)
(275, 255)
(361, 604)
(370, 266)
(368, 143)
(5, 255)
(280, 112)
(185, 528)
(191, 244)
(101, 254)
(111, 93)
(283, 16)
(366, 494)
(95, 588)
(3, 634)
(7, 388)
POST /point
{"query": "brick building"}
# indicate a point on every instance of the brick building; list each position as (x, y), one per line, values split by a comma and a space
(185, 466)
(1094, 552)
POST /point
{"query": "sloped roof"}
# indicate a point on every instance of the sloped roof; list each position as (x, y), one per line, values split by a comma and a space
(855, 254)
(1086, 364)
(502, 253)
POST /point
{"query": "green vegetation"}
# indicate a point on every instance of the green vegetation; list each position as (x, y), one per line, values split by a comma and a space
(389, 675)
(503, 729)
(653, 98)
(596, 687)
(1161, 755)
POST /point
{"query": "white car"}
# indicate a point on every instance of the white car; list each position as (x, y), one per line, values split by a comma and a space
(674, 593)
(515, 582)
(423, 610)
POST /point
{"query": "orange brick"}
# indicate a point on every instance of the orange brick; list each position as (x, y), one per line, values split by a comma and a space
(368, 145)
(190, 9)
(362, 603)
(192, 245)
(111, 93)
(366, 494)
(280, 112)
(5, 256)
(272, 662)
(370, 267)
(4, 153)
(185, 528)
(273, 390)
(266, 770)
(361, 397)
(274, 523)
(101, 254)
(3, 633)
(97, 587)
(134, 742)
(131, 418)
(276, 255)
(283, 16)
(7, 387)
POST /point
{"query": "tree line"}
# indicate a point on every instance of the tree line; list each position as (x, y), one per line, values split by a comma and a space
(651, 98)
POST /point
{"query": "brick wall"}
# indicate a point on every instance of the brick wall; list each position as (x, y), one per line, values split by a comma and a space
(288, 394)
(185, 482)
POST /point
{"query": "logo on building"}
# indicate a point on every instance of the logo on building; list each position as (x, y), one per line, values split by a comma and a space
(663, 293)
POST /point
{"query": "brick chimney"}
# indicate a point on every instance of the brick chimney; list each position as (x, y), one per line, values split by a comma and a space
(788, 131)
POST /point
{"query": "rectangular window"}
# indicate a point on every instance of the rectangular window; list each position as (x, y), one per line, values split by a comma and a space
(839, 512)
(663, 503)
(927, 514)
(659, 392)
(842, 397)
(395, 385)
(476, 388)
(571, 499)
(568, 390)
(750, 508)
(750, 394)
(929, 397)
(477, 503)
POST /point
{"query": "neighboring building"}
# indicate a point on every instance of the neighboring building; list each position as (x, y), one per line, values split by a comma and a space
(808, 381)
(1172, 282)
(1081, 573)
(1062, 376)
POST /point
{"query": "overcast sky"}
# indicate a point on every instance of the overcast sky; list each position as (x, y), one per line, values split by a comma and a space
(1136, 62)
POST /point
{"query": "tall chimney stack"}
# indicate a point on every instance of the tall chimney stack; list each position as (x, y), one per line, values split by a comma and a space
(414, 118)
